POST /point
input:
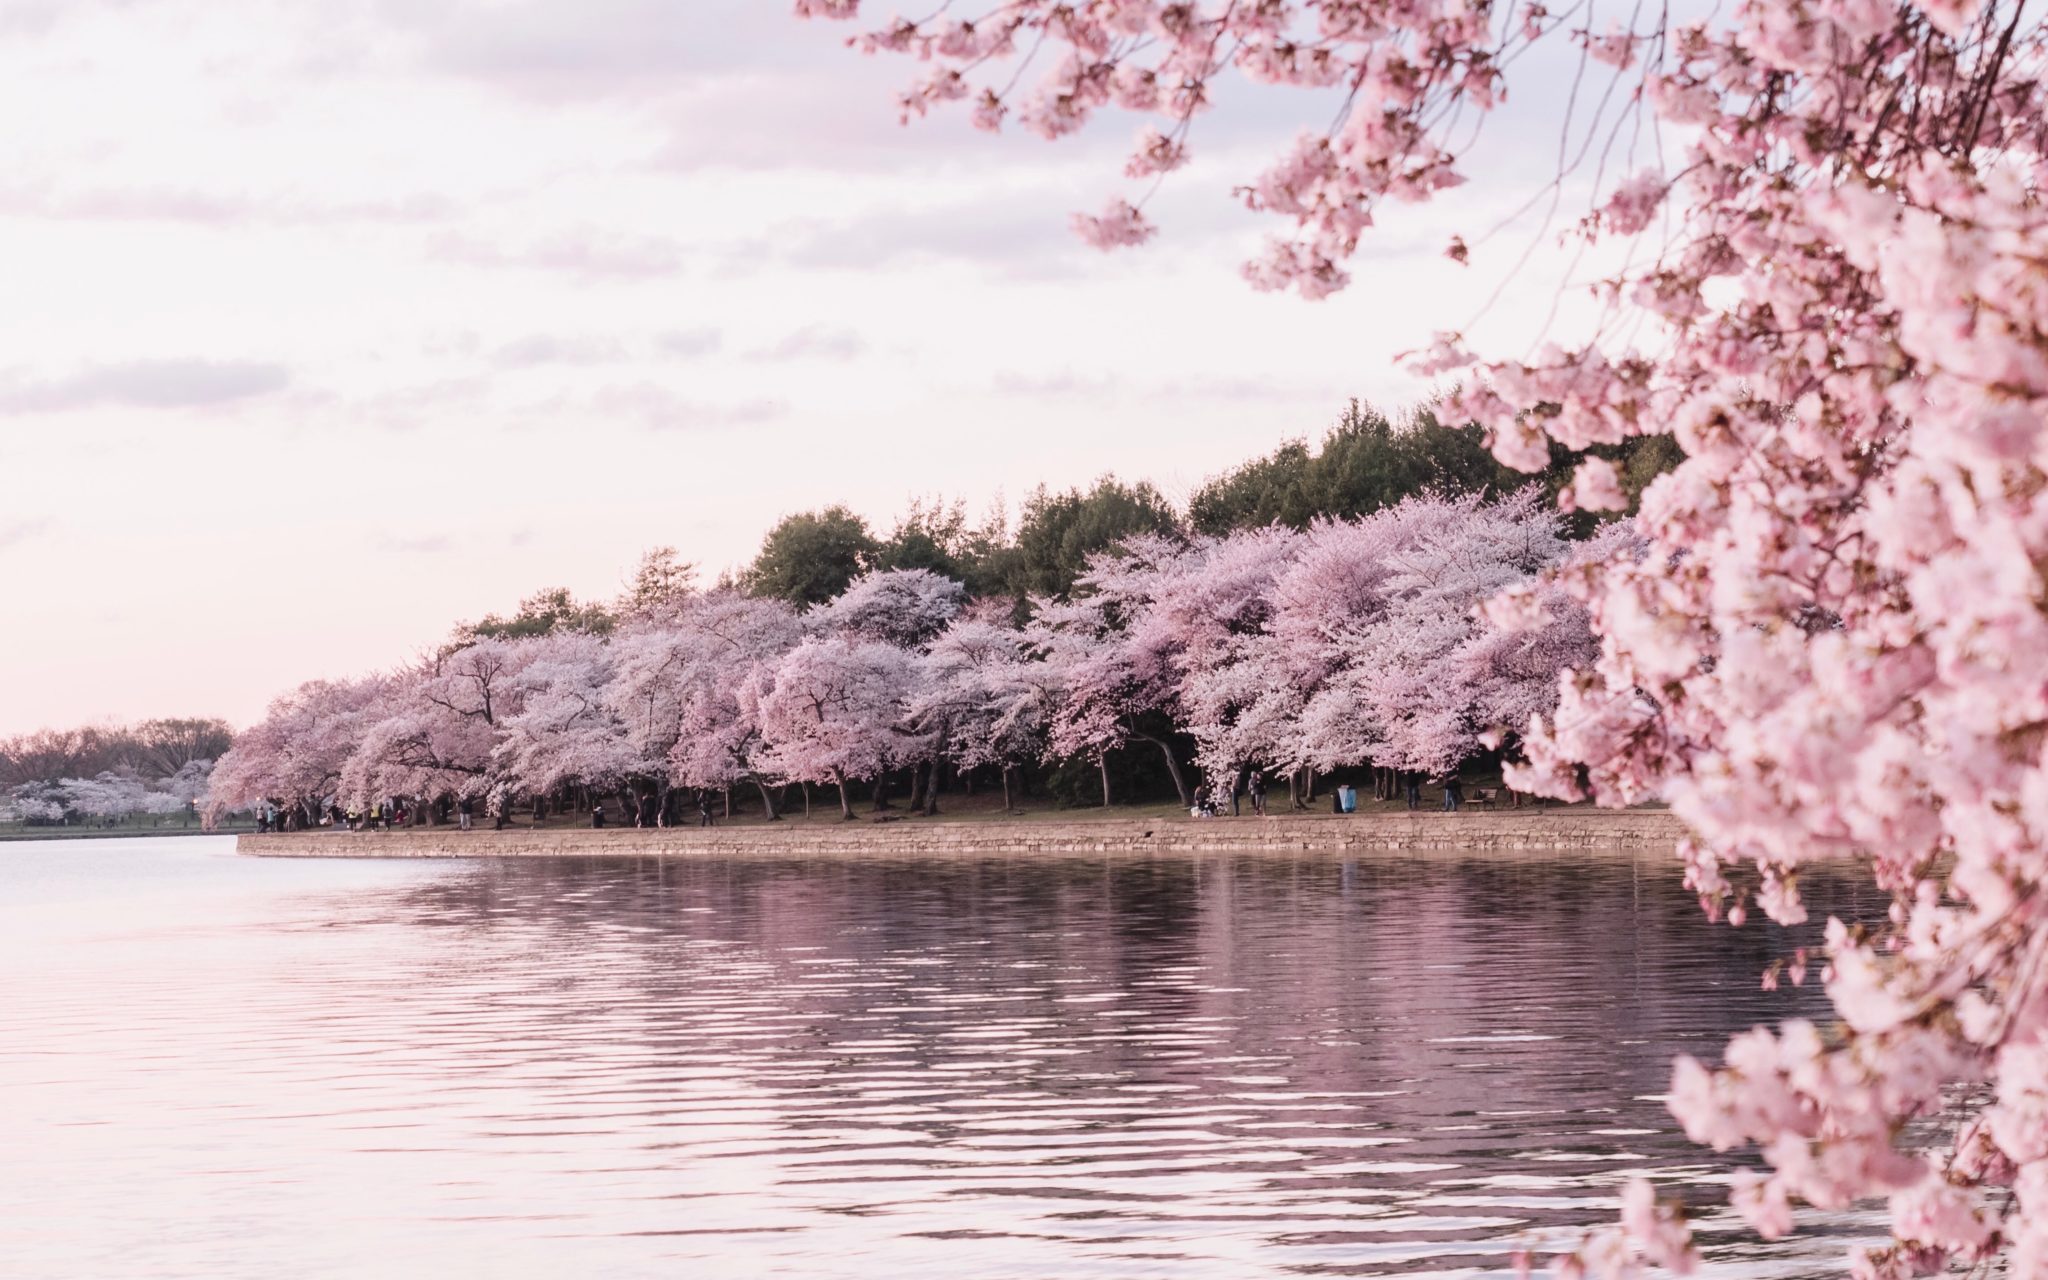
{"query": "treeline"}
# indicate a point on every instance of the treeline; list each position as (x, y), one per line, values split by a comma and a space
(1366, 462)
(1355, 644)
(108, 771)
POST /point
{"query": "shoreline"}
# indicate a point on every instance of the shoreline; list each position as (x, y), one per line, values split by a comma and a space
(1541, 829)
(47, 835)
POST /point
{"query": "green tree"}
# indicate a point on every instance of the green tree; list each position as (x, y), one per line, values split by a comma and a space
(810, 557)
(935, 535)
(539, 614)
(1368, 462)
(1059, 531)
(663, 581)
(169, 745)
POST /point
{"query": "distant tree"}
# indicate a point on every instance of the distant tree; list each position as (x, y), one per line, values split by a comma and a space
(1368, 462)
(1059, 532)
(168, 746)
(660, 585)
(927, 536)
(50, 754)
(810, 557)
(539, 614)
(936, 536)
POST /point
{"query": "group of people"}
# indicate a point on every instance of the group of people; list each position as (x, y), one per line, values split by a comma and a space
(378, 816)
(1209, 801)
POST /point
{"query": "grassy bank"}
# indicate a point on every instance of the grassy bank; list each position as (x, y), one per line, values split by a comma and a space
(987, 807)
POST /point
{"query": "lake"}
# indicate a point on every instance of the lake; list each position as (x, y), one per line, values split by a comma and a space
(1221, 1066)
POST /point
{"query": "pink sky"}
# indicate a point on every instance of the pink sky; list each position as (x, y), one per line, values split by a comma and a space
(336, 323)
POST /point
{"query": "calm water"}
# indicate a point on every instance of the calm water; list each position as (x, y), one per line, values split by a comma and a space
(1221, 1067)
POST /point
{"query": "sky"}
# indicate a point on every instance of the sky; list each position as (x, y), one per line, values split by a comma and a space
(334, 323)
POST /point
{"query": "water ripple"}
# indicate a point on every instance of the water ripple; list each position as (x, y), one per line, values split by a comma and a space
(1221, 1066)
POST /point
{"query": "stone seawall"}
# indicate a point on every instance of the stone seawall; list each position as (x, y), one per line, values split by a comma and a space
(1553, 829)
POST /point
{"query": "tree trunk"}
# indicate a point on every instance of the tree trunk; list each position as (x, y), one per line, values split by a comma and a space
(728, 803)
(882, 791)
(917, 787)
(1102, 767)
(767, 801)
(807, 798)
(1180, 784)
(1005, 771)
(845, 804)
(931, 790)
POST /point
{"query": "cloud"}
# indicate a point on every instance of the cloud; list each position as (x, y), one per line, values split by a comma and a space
(607, 48)
(429, 544)
(1016, 237)
(582, 251)
(1063, 383)
(543, 348)
(15, 532)
(147, 384)
(659, 409)
(813, 342)
(686, 343)
(212, 208)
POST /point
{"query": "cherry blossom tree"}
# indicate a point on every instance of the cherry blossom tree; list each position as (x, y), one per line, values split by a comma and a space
(294, 757)
(1121, 648)
(1095, 692)
(441, 726)
(1832, 647)
(1399, 689)
(906, 608)
(1199, 616)
(679, 685)
(978, 696)
(566, 730)
(832, 709)
(903, 607)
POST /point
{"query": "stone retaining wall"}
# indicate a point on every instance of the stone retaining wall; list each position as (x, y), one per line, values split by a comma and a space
(1553, 829)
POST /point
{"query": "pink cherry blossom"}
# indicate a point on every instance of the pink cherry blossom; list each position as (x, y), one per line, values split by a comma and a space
(1828, 644)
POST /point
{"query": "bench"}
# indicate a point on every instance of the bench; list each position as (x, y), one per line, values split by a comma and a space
(1488, 796)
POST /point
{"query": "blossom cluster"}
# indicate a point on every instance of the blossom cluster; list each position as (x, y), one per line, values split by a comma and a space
(109, 794)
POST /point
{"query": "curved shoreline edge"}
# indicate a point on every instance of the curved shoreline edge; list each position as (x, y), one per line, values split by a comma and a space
(1551, 829)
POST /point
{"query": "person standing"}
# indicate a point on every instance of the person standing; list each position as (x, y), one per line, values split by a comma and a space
(1414, 786)
(1257, 787)
(1454, 794)
(464, 811)
(704, 818)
